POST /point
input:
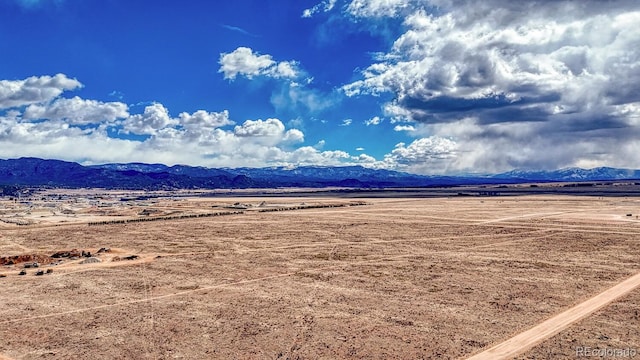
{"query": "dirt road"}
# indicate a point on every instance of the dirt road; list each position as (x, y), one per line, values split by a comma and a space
(526, 340)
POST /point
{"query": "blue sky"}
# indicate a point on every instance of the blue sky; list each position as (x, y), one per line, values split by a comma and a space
(433, 87)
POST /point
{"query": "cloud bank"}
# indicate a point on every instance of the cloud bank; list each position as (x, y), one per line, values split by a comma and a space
(532, 84)
(36, 120)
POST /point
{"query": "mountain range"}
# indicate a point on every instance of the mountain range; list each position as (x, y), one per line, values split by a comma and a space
(57, 173)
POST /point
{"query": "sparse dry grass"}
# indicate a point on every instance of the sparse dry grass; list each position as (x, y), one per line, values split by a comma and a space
(399, 278)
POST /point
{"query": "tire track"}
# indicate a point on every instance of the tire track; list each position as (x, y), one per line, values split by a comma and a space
(13, 243)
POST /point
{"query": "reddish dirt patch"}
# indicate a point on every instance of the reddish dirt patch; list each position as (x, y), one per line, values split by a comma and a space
(25, 258)
(46, 259)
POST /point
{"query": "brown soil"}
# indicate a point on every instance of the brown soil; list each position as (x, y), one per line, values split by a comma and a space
(396, 279)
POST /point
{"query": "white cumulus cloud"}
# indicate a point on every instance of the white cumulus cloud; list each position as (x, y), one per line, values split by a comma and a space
(77, 111)
(268, 132)
(154, 118)
(404, 128)
(34, 90)
(244, 62)
(324, 6)
(376, 120)
(267, 128)
(424, 155)
(205, 120)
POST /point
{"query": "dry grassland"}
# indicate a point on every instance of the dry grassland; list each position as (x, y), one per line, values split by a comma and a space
(396, 279)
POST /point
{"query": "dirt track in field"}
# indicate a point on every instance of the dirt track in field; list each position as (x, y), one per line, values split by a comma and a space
(527, 339)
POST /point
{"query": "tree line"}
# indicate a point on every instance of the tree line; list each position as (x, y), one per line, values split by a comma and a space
(176, 217)
(301, 207)
(191, 216)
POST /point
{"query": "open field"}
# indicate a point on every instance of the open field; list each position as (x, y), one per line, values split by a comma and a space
(399, 278)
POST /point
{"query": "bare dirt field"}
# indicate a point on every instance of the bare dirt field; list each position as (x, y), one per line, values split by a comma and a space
(391, 278)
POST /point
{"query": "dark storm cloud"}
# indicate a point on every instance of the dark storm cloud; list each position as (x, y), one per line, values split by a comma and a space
(515, 84)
